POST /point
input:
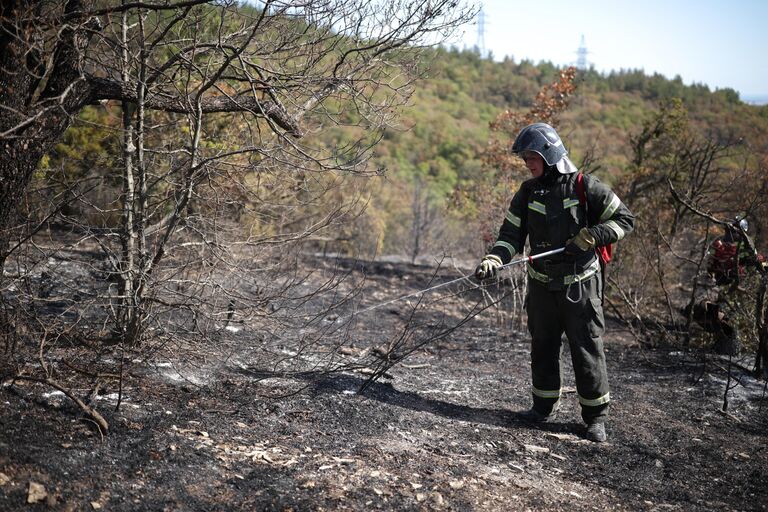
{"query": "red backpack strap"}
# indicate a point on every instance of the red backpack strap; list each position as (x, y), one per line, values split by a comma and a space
(580, 189)
(604, 252)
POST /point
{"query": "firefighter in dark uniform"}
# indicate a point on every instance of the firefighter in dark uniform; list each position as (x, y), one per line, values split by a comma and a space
(730, 254)
(565, 290)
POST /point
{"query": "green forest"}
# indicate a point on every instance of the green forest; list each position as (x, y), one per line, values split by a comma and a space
(444, 133)
(438, 143)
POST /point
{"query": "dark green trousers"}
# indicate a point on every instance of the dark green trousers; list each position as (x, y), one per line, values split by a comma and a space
(550, 315)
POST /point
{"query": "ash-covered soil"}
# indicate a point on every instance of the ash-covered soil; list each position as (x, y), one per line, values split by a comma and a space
(212, 427)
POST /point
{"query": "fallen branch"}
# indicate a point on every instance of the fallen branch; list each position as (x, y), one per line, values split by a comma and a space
(92, 414)
(729, 415)
(400, 343)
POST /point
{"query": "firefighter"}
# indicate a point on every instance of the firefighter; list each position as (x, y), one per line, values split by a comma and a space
(552, 210)
(730, 257)
(730, 253)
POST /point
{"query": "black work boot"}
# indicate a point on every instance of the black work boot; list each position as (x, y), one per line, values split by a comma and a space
(534, 416)
(596, 432)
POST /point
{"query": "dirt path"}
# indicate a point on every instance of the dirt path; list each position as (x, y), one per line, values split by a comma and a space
(440, 434)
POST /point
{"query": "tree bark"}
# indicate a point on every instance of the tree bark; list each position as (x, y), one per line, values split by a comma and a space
(40, 93)
(36, 106)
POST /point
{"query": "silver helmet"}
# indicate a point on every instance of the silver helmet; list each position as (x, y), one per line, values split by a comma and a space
(541, 138)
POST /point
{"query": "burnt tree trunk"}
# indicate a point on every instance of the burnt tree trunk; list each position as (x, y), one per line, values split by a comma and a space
(39, 94)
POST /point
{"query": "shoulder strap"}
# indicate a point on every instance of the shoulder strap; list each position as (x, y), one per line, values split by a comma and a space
(605, 252)
(582, 194)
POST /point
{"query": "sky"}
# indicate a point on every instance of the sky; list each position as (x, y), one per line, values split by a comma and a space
(720, 43)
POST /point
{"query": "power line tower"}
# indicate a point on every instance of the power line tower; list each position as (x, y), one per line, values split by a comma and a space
(581, 59)
(481, 32)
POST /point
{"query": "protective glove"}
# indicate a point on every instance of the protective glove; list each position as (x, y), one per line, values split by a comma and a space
(581, 243)
(488, 267)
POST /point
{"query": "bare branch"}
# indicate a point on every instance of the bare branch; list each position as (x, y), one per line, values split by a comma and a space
(105, 89)
(149, 6)
(90, 412)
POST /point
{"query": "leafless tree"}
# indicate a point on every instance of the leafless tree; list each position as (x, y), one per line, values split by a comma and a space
(681, 184)
(227, 160)
(667, 249)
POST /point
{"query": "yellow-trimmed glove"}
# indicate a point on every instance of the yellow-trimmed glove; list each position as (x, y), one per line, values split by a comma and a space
(488, 267)
(581, 243)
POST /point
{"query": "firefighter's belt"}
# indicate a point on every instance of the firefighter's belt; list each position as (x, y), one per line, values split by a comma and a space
(564, 280)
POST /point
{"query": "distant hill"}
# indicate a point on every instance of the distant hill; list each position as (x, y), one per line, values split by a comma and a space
(438, 144)
(755, 99)
(443, 134)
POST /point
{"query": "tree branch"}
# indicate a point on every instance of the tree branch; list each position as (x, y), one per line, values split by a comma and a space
(105, 89)
(79, 14)
(715, 220)
(90, 412)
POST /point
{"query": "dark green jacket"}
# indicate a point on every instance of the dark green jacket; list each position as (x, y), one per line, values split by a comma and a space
(547, 212)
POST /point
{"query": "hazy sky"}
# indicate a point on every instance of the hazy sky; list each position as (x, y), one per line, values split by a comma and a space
(721, 43)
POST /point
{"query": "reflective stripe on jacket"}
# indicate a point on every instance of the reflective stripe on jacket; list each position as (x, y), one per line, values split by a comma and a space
(548, 213)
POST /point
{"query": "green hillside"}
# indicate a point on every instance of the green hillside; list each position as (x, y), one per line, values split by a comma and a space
(437, 144)
(442, 136)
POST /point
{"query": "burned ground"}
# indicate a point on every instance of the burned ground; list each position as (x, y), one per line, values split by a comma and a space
(214, 427)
